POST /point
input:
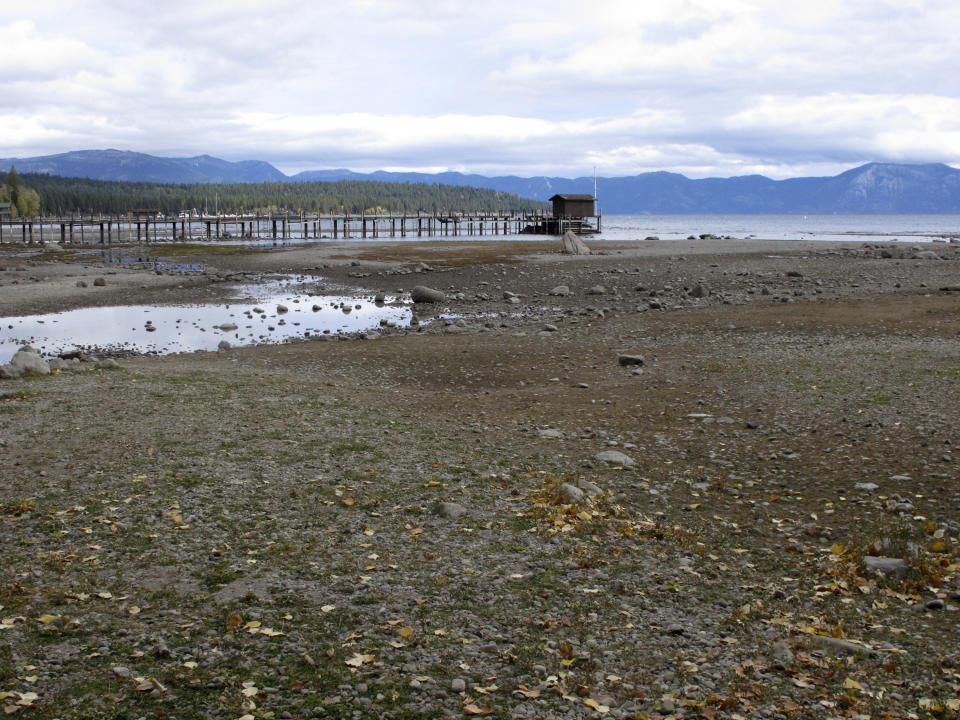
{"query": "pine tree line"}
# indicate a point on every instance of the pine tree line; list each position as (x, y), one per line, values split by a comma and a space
(61, 196)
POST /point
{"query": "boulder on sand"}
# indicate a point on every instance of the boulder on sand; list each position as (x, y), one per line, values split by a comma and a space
(573, 245)
(424, 294)
(30, 361)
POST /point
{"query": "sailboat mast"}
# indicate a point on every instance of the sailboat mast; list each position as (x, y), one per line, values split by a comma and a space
(596, 200)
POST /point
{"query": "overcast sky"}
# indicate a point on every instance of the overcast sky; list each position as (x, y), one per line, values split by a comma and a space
(524, 87)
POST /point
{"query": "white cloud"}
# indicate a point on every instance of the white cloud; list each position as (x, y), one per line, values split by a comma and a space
(696, 86)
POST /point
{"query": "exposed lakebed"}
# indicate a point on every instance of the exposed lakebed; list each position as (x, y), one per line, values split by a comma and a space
(271, 312)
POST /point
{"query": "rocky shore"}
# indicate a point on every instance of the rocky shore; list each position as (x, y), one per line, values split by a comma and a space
(699, 479)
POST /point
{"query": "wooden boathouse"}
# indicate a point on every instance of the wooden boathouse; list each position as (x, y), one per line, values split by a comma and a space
(571, 211)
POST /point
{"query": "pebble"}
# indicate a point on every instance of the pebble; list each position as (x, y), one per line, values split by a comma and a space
(450, 510)
(458, 685)
(589, 487)
(615, 457)
(571, 493)
(781, 654)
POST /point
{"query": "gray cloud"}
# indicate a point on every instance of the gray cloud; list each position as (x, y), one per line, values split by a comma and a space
(523, 88)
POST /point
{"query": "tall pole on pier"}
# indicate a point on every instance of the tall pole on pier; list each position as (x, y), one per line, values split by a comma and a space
(596, 200)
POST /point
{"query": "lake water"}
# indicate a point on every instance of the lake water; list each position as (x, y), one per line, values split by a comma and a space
(866, 228)
(869, 228)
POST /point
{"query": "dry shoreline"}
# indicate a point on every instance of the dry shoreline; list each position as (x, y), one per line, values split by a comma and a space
(261, 532)
(34, 280)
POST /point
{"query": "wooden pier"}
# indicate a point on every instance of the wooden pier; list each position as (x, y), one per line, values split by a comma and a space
(279, 227)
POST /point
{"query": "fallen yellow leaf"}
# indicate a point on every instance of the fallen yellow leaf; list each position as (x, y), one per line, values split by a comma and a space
(851, 684)
(473, 709)
(358, 659)
(591, 703)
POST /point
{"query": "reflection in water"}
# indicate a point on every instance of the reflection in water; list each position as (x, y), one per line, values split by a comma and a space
(166, 329)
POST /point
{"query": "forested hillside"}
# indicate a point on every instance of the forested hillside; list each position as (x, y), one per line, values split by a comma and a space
(23, 200)
(59, 195)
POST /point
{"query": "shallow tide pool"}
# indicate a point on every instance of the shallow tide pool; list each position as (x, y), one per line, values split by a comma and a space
(164, 329)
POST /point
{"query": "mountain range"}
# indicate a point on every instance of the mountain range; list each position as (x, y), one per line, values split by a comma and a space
(868, 189)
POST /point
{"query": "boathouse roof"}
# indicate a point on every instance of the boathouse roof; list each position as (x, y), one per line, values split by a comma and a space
(572, 196)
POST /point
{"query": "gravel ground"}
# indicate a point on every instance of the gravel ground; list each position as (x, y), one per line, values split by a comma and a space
(419, 522)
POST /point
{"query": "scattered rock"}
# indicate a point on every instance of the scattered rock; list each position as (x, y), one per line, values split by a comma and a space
(597, 290)
(227, 327)
(840, 647)
(589, 487)
(10, 372)
(781, 654)
(560, 291)
(30, 361)
(615, 457)
(549, 434)
(449, 510)
(108, 364)
(630, 360)
(100, 282)
(666, 705)
(424, 294)
(223, 345)
(571, 493)
(887, 566)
